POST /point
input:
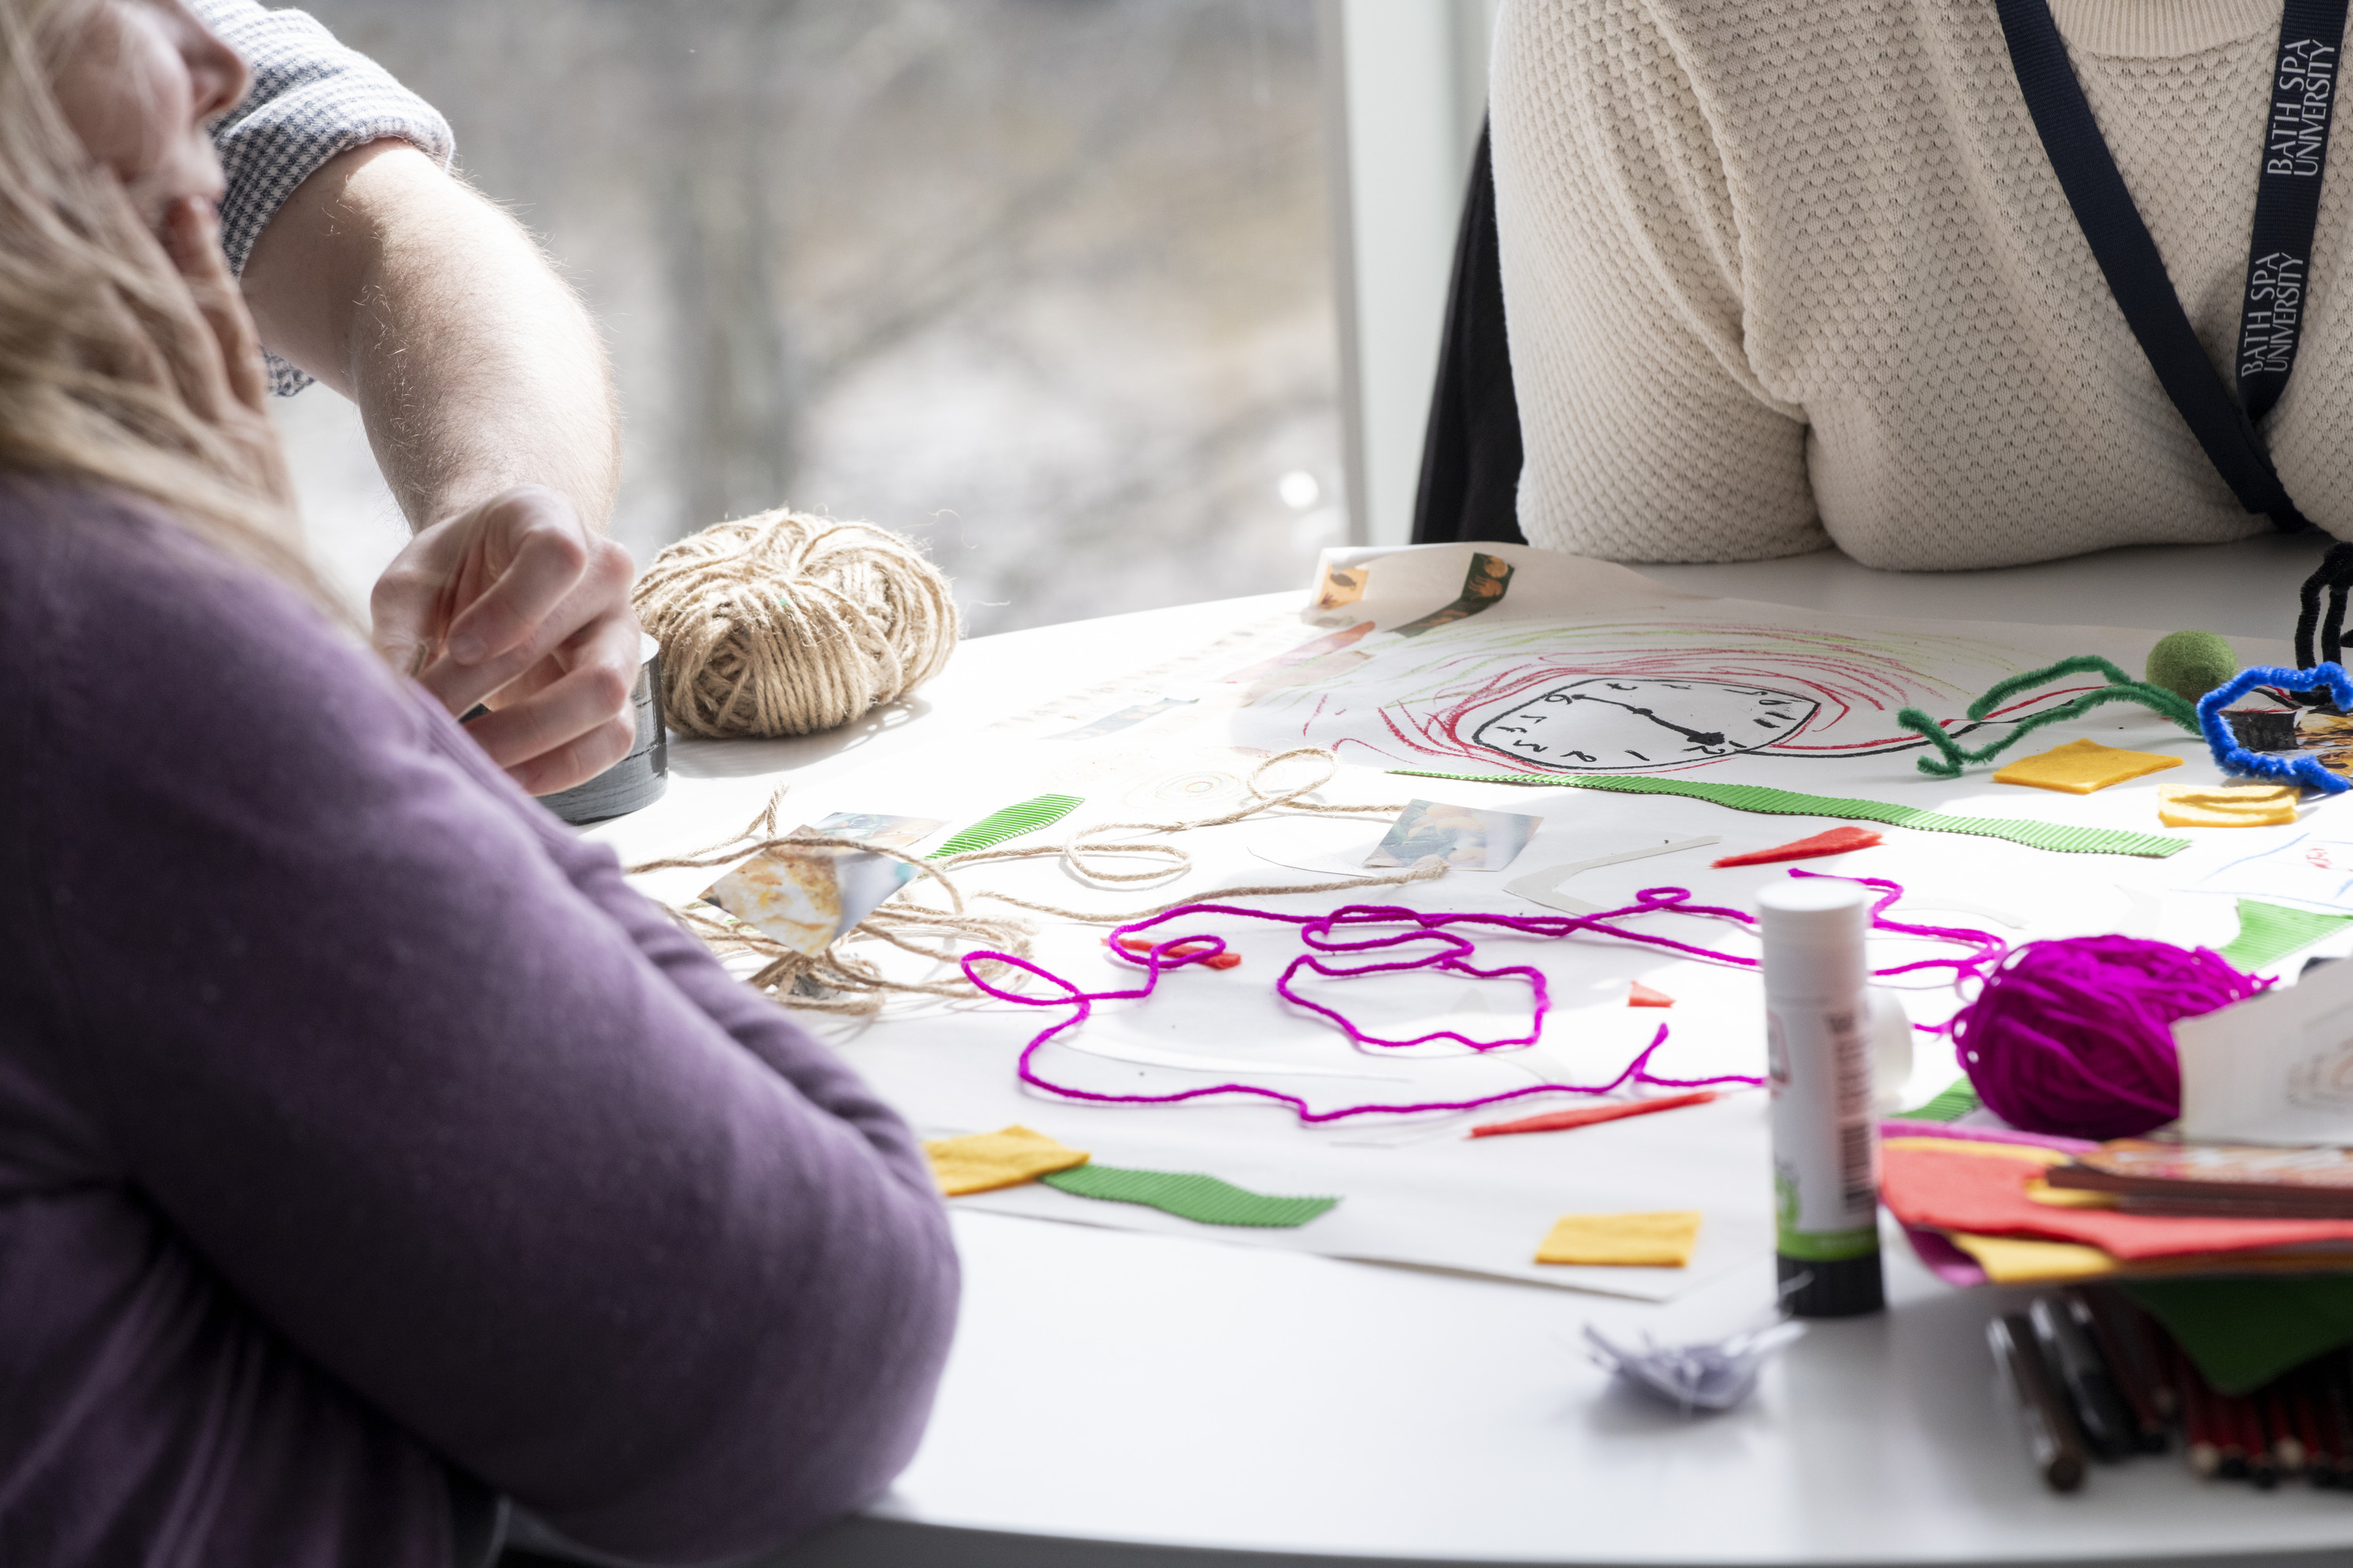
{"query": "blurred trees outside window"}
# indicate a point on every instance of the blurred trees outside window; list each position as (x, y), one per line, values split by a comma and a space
(1044, 284)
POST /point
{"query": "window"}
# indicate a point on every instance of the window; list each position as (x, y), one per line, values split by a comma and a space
(1045, 284)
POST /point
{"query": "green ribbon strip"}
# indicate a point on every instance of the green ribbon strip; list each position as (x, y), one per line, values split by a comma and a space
(2053, 835)
(2272, 931)
(1203, 1199)
(1011, 823)
(1957, 1100)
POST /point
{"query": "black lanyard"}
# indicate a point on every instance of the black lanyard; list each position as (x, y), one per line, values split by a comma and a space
(2279, 252)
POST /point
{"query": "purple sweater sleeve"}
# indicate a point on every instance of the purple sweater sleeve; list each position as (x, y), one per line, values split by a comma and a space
(470, 1123)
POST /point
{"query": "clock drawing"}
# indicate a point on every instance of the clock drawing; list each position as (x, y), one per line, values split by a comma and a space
(1606, 723)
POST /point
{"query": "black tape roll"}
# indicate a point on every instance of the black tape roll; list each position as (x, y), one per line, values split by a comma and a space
(639, 779)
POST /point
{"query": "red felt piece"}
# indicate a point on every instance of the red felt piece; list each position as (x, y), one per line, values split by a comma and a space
(1643, 996)
(1837, 841)
(1191, 944)
(1587, 1115)
(1986, 1195)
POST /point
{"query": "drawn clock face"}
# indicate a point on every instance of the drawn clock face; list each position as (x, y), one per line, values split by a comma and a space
(1604, 724)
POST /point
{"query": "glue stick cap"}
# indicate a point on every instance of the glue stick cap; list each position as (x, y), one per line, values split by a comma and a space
(1813, 929)
(1816, 911)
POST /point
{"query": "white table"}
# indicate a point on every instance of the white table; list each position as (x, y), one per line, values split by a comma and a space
(1125, 1399)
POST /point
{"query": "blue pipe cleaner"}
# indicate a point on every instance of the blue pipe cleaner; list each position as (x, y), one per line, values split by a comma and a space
(2234, 758)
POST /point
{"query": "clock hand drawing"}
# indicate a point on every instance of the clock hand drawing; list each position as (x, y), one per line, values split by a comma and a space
(1632, 724)
(1705, 738)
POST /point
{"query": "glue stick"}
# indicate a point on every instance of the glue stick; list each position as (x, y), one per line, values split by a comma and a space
(1820, 1040)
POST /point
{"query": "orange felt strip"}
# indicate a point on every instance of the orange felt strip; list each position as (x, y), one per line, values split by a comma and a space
(1837, 841)
(1643, 996)
(1587, 1115)
(1951, 1191)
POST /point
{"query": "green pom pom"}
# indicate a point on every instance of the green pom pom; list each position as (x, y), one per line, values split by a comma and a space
(2191, 664)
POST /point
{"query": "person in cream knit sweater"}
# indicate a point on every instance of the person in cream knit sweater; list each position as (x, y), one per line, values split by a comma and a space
(1787, 274)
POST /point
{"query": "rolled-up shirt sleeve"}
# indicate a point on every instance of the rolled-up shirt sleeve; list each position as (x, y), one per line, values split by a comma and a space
(312, 99)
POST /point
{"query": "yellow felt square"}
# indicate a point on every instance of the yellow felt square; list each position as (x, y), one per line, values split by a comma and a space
(2021, 1260)
(1986, 1148)
(2018, 1260)
(2226, 805)
(2039, 1191)
(1633, 1240)
(2080, 767)
(983, 1162)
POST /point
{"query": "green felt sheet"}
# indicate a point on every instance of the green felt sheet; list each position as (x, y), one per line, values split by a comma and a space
(2053, 835)
(2268, 933)
(1203, 1199)
(2244, 1332)
(1010, 823)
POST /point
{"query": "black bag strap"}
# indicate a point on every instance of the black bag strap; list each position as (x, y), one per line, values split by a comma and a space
(2128, 255)
(2334, 574)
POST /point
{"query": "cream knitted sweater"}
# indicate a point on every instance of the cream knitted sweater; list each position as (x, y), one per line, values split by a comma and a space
(1781, 273)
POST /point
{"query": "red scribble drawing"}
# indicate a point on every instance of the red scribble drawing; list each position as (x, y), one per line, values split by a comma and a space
(1636, 697)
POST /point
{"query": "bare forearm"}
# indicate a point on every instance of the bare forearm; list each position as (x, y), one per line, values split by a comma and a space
(487, 399)
(474, 366)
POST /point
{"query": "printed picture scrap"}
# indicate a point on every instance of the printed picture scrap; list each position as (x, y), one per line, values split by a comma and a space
(1465, 838)
(874, 827)
(806, 898)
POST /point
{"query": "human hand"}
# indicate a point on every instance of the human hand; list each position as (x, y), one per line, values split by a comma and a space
(515, 603)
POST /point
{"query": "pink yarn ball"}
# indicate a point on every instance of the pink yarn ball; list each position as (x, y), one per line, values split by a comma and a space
(2075, 1037)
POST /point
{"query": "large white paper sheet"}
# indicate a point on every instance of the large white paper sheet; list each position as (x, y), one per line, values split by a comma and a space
(2310, 869)
(1414, 660)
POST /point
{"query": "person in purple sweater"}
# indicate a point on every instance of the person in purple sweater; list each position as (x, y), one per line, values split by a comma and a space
(369, 1153)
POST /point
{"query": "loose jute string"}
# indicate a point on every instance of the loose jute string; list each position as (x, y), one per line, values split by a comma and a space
(784, 624)
(1074, 852)
(833, 982)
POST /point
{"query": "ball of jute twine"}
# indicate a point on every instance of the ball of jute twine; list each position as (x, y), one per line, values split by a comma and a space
(782, 623)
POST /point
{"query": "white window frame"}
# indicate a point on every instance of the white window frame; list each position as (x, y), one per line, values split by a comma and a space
(1405, 90)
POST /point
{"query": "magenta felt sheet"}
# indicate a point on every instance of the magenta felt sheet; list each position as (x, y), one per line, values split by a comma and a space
(1943, 1259)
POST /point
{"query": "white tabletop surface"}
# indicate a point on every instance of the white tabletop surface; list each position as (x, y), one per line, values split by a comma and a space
(1120, 1398)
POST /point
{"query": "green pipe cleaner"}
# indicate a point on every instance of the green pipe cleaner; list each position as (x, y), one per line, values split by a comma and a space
(2121, 688)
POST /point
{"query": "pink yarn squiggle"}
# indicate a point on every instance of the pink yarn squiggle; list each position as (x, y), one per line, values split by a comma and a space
(1321, 935)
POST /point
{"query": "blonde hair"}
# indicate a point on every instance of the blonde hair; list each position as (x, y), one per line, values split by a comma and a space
(101, 343)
